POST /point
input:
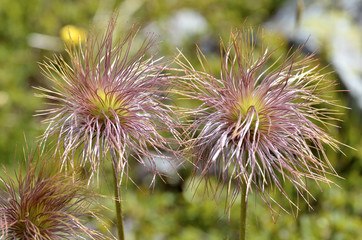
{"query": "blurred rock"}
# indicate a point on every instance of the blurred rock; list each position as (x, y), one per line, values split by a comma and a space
(46, 42)
(334, 27)
(182, 26)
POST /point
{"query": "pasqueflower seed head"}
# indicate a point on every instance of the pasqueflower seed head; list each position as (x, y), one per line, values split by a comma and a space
(260, 123)
(110, 100)
(43, 203)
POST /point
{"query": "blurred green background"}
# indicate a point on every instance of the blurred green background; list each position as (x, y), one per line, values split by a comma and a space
(30, 30)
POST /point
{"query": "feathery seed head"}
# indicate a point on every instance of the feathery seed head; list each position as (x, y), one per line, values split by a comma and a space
(257, 124)
(43, 203)
(110, 100)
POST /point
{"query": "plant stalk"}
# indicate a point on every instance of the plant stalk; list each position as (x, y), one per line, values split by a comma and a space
(243, 207)
(117, 200)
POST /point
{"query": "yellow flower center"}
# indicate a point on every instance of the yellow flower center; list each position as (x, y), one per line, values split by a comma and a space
(248, 106)
(107, 104)
(37, 216)
(244, 105)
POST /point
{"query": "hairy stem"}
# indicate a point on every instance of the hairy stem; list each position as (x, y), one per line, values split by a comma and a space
(243, 207)
(117, 200)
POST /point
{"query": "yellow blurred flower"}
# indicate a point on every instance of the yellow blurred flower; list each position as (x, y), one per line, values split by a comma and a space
(72, 34)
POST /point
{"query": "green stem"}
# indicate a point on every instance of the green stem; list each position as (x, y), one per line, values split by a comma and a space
(117, 200)
(243, 207)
